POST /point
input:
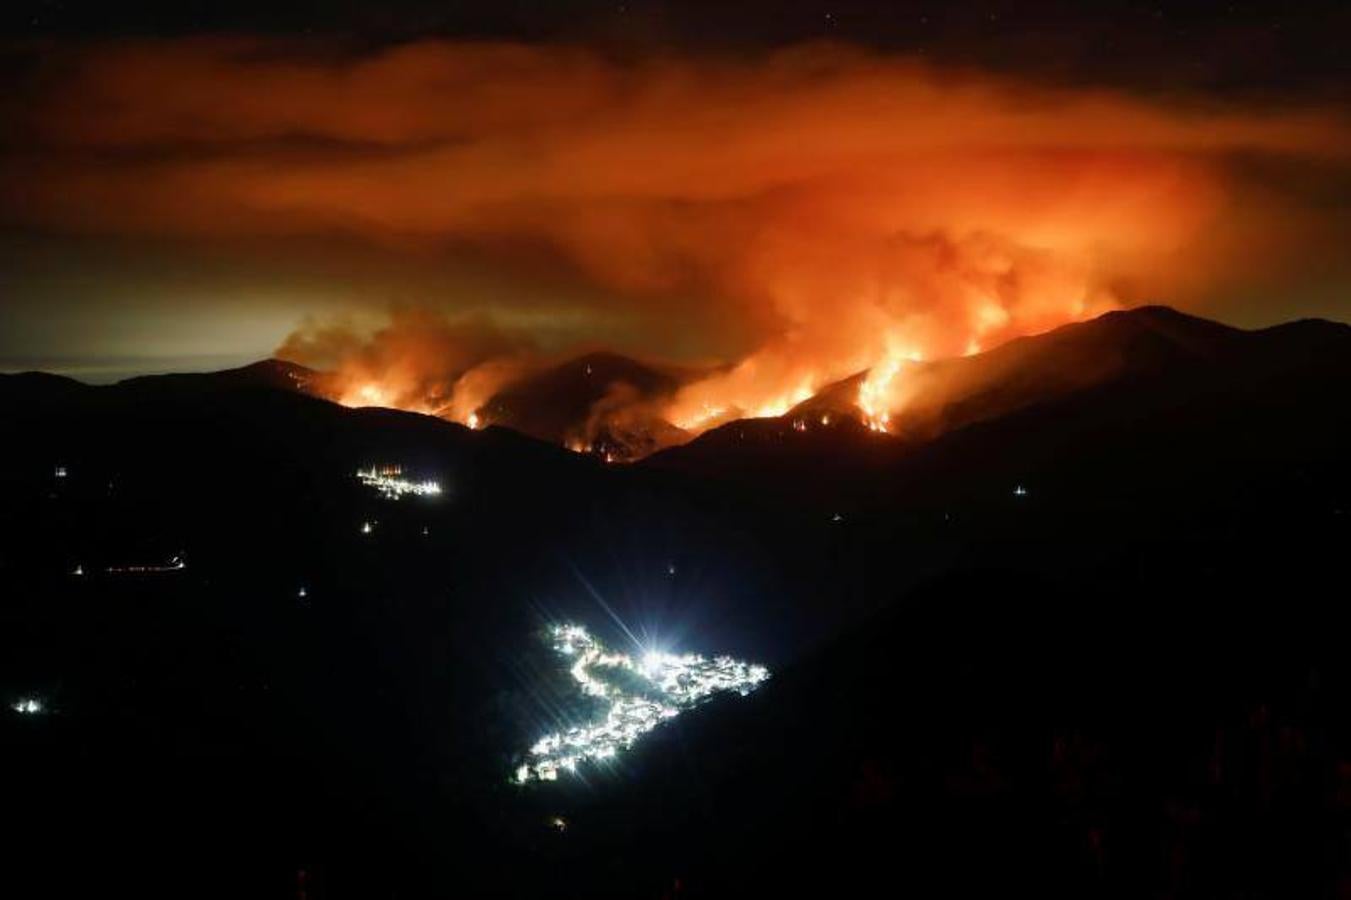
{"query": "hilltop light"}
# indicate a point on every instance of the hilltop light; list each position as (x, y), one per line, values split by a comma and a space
(669, 684)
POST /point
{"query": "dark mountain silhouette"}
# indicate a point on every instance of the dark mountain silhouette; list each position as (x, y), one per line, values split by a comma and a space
(26, 389)
(268, 373)
(579, 403)
(1124, 679)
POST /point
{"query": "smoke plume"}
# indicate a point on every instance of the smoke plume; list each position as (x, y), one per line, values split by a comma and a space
(822, 209)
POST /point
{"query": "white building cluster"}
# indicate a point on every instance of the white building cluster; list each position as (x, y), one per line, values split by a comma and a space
(391, 484)
(668, 683)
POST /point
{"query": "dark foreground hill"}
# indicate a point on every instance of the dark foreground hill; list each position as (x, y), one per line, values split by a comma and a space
(1125, 680)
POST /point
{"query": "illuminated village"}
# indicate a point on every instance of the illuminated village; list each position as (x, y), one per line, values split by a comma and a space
(669, 684)
(391, 484)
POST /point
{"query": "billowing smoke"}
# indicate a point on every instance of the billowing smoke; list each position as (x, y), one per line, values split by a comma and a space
(419, 360)
(805, 215)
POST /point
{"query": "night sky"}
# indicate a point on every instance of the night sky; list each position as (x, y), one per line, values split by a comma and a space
(196, 185)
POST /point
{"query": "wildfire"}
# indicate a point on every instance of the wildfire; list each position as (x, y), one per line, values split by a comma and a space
(789, 212)
(873, 393)
(780, 405)
(379, 394)
(820, 216)
(877, 394)
(749, 391)
(766, 384)
(366, 395)
(701, 419)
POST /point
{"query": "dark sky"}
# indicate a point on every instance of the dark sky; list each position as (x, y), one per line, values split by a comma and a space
(182, 184)
(1240, 46)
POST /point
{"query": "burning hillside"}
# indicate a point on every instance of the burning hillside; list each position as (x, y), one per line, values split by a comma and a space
(619, 409)
(622, 409)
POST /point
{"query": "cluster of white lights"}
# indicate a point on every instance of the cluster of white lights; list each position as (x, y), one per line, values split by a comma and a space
(27, 706)
(172, 565)
(666, 684)
(390, 484)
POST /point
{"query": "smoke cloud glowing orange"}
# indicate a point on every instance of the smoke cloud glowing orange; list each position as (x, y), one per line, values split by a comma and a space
(822, 210)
